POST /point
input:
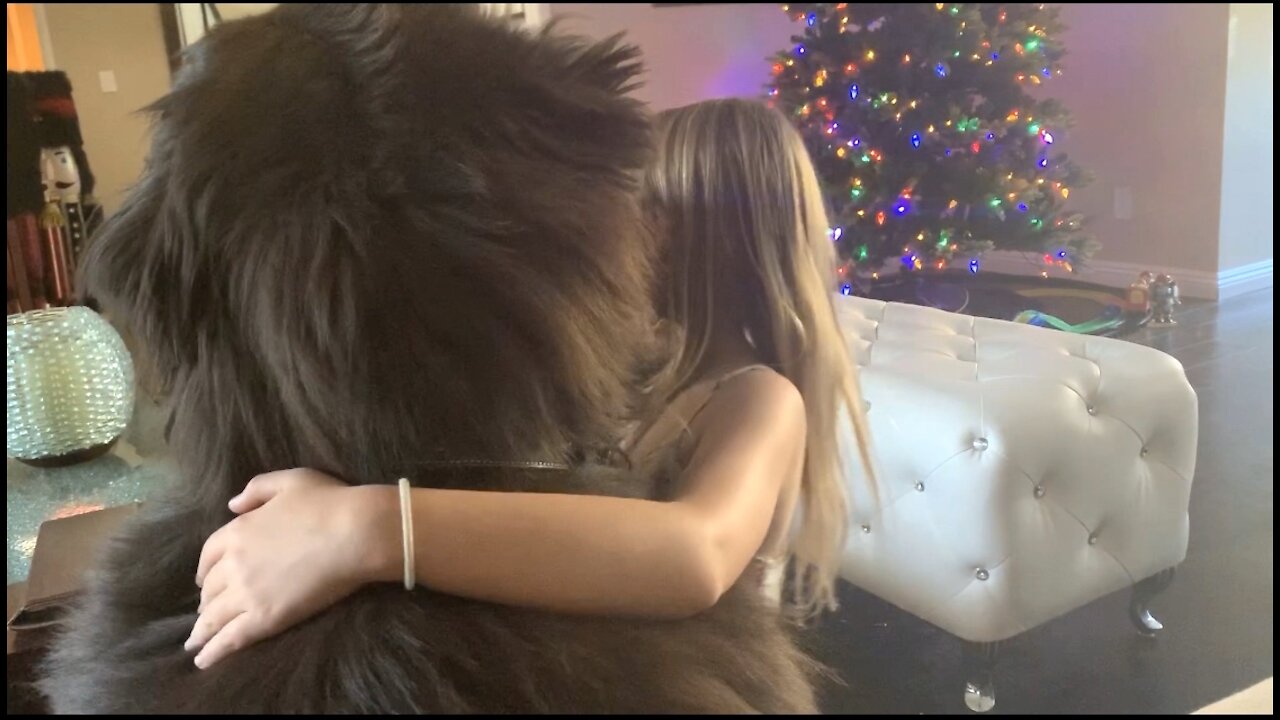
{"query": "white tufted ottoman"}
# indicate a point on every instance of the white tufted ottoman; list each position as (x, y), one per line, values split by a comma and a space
(1024, 472)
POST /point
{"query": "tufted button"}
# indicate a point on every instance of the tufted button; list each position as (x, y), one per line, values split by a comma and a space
(980, 444)
(1039, 492)
(866, 407)
(1143, 452)
(919, 487)
(982, 574)
(1092, 410)
(866, 529)
(1093, 538)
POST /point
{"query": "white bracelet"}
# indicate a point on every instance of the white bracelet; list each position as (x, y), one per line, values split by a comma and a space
(406, 527)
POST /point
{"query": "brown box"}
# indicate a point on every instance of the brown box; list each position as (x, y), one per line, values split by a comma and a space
(64, 550)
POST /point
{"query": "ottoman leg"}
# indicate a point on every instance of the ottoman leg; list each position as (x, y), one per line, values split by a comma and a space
(979, 675)
(1143, 592)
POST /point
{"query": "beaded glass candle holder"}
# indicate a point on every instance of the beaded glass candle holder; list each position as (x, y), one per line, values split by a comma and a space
(70, 386)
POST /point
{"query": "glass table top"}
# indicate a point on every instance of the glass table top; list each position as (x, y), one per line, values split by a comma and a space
(134, 469)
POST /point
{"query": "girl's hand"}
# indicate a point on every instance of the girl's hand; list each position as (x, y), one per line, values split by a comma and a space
(303, 541)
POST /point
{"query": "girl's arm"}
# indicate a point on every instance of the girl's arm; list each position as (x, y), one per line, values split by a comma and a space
(304, 540)
(590, 554)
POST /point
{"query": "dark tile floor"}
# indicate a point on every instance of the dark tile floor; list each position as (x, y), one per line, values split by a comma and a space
(1218, 614)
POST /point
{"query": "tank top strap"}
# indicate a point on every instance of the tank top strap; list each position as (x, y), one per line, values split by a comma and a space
(719, 382)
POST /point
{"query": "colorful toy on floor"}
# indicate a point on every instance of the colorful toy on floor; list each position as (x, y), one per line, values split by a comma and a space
(1112, 318)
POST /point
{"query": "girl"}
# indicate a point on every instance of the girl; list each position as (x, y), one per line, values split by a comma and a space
(758, 384)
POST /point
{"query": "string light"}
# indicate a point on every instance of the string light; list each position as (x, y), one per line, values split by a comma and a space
(821, 107)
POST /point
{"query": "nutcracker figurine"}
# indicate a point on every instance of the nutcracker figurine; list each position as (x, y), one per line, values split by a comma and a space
(1137, 300)
(1164, 296)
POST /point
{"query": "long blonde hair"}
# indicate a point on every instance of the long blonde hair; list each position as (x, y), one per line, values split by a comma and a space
(733, 192)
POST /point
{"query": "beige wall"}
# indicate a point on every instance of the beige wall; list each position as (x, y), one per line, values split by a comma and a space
(1247, 165)
(126, 39)
(1143, 82)
(691, 53)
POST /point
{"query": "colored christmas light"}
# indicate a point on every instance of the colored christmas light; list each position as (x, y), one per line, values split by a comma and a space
(854, 135)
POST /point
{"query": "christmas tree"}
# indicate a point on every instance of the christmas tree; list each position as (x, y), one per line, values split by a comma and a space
(925, 126)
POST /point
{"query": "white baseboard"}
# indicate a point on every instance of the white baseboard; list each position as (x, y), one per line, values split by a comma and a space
(1246, 278)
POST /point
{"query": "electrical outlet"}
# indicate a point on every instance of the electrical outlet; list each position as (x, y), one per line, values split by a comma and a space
(107, 79)
(1124, 203)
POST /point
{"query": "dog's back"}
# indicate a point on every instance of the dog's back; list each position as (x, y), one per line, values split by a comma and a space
(368, 239)
(384, 650)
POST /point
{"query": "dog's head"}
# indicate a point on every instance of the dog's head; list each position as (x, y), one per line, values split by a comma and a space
(368, 233)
